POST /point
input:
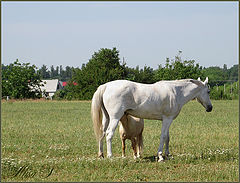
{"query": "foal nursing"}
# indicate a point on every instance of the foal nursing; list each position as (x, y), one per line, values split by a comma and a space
(131, 128)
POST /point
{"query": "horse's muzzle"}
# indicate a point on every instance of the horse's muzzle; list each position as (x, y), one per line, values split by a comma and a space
(209, 108)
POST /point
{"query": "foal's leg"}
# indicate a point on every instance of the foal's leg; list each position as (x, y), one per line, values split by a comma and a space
(164, 136)
(134, 147)
(139, 145)
(123, 147)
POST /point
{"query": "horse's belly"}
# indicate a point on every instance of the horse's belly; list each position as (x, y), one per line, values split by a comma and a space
(145, 114)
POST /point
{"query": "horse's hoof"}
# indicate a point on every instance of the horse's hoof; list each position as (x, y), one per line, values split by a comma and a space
(100, 156)
(160, 159)
(109, 156)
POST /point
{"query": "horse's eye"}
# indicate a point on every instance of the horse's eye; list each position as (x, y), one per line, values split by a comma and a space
(208, 91)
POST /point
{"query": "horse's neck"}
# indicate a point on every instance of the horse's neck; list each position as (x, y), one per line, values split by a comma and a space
(189, 92)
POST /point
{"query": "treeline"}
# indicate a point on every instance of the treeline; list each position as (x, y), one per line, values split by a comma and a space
(56, 73)
(105, 66)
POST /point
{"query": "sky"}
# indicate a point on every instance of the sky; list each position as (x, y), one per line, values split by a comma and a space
(145, 33)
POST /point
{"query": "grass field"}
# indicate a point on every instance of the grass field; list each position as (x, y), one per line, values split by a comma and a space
(54, 141)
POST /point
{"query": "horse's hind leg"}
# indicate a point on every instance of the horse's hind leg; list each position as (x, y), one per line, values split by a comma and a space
(105, 123)
(109, 135)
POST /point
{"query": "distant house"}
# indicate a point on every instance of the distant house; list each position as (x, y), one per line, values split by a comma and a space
(50, 87)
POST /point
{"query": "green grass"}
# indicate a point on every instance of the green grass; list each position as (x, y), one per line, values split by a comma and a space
(54, 141)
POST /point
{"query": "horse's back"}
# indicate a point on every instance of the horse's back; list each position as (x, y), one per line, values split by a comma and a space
(149, 101)
(119, 94)
(128, 91)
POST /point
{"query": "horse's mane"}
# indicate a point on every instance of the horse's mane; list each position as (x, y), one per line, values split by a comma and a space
(183, 80)
(180, 81)
(176, 81)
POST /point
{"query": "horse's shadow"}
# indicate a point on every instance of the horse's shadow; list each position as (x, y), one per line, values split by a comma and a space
(216, 156)
(155, 158)
(150, 158)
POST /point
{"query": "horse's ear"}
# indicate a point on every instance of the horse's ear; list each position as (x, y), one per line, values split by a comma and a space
(199, 79)
(206, 81)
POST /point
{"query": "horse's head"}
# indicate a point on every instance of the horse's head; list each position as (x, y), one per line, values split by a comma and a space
(203, 96)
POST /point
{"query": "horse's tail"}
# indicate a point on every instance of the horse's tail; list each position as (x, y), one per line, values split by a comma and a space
(96, 113)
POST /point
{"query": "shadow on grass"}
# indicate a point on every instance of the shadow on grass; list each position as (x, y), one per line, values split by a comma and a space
(150, 158)
(225, 155)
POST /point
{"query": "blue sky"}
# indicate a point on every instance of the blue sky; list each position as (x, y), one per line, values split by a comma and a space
(145, 33)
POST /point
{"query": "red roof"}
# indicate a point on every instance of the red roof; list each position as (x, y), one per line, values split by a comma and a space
(65, 83)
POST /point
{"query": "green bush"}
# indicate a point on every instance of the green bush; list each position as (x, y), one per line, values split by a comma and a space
(231, 92)
(20, 81)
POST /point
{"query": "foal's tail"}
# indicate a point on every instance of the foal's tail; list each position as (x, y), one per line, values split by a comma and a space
(96, 113)
(140, 138)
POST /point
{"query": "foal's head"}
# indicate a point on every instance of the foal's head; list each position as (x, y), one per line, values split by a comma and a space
(203, 96)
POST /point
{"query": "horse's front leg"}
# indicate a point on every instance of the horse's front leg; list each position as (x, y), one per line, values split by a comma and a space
(167, 153)
(164, 137)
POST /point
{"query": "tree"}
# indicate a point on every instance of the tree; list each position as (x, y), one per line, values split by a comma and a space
(57, 71)
(104, 66)
(20, 81)
(43, 72)
(52, 71)
(233, 73)
(69, 72)
(145, 75)
(215, 75)
(178, 69)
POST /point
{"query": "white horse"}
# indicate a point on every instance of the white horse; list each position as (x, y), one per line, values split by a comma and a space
(162, 100)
